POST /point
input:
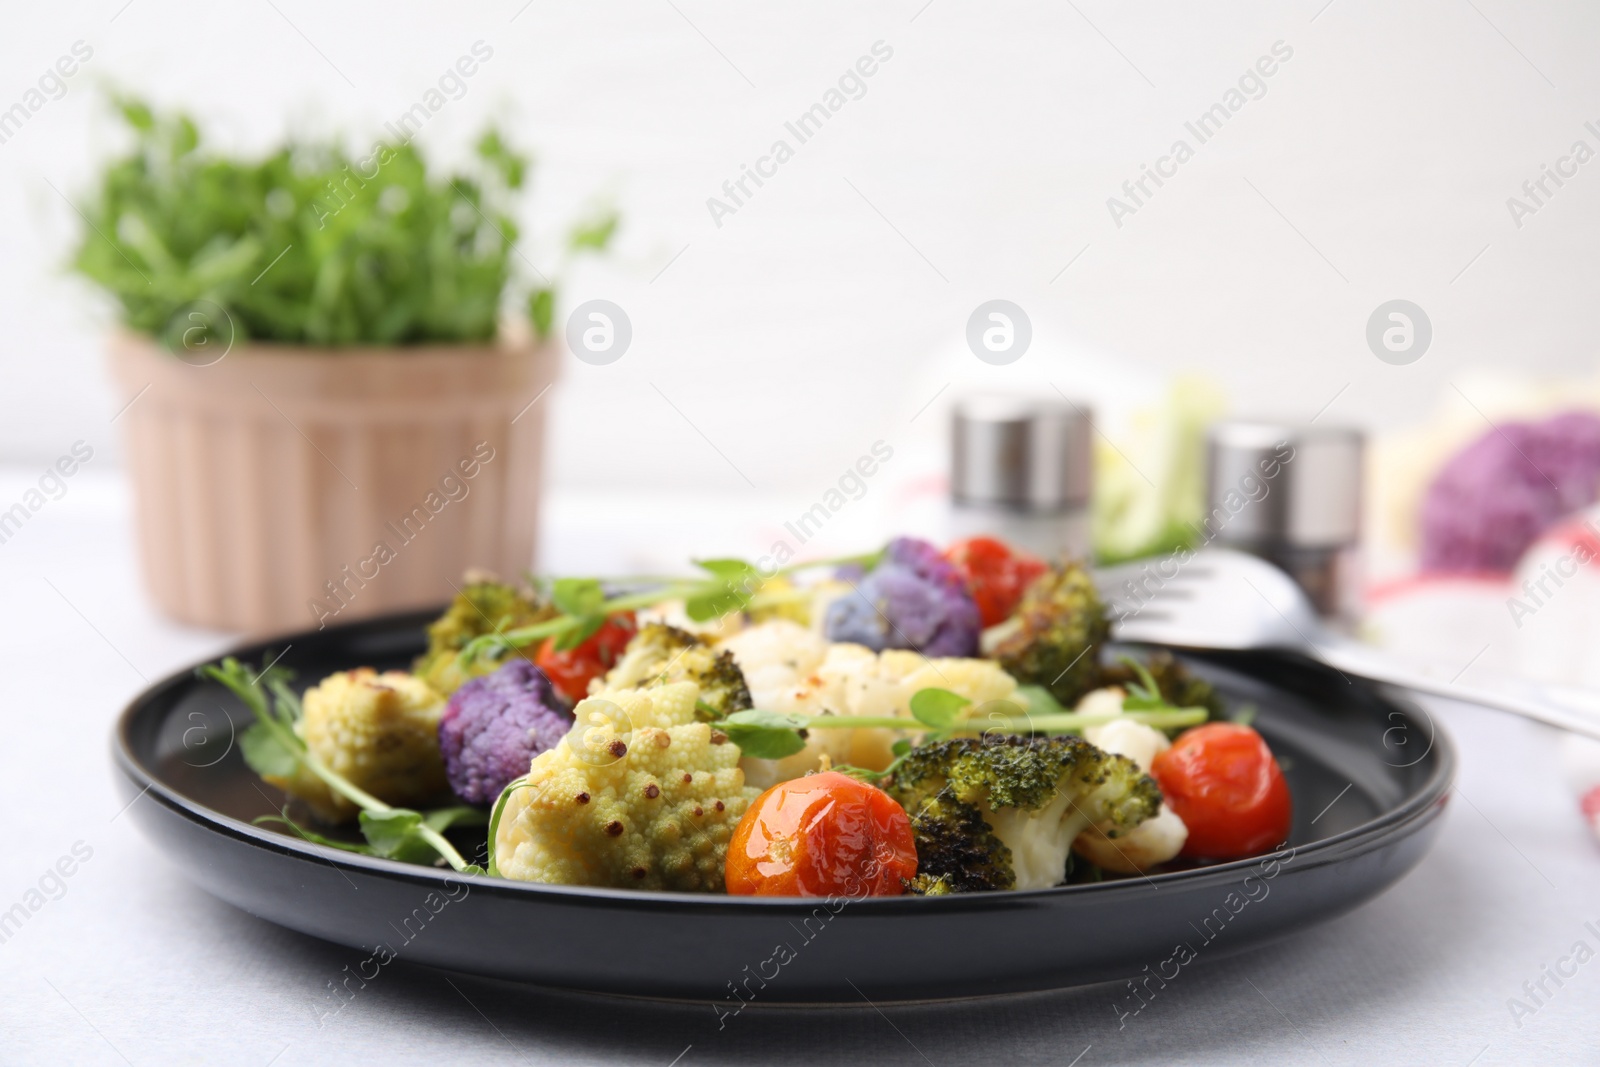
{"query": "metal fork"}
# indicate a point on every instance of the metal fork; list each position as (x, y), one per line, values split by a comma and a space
(1222, 599)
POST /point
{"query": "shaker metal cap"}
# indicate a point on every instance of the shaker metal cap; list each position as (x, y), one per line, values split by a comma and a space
(1020, 453)
(1282, 484)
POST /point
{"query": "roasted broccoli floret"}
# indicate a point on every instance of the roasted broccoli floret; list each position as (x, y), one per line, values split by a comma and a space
(1031, 796)
(956, 850)
(660, 653)
(1055, 636)
(1178, 687)
(482, 607)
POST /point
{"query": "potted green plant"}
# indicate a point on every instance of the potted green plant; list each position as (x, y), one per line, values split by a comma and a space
(328, 409)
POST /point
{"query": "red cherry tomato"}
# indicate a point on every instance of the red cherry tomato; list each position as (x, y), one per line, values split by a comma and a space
(822, 835)
(1222, 781)
(570, 671)
(995, 574)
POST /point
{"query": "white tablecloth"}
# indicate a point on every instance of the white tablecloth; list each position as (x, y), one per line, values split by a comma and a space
(126, 962)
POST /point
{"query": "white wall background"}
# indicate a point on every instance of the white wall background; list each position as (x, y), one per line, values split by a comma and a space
(1377, 165)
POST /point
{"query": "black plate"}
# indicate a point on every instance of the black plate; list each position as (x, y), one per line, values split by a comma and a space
(1369, 778)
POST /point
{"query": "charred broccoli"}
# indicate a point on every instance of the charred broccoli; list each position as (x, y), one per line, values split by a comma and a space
(957, 852)
(1003, 812)
(1178, 687)
(659, 654)
(482, 607)
(1054, 637)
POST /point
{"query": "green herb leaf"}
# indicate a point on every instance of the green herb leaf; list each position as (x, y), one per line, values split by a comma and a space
(578, 596)
(762, 717)
(900, 748)
(394, 834)
(938, 708)
(265, 753)
(583, 600)
(734, 583)
(499, 810)
(862, 773)
(593, 235)
(1144, 695)
(442, 819)
(764, 734)
(764, 742)
(1037, 700)
(310, 835)
(309, 243)
(705, 607)
(542, 311)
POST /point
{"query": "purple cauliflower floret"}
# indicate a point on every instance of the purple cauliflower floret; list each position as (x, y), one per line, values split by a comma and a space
(1497, 495)
(495, 725)
(912, 599)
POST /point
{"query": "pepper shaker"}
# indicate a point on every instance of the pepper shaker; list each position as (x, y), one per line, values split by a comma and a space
(1290, 494)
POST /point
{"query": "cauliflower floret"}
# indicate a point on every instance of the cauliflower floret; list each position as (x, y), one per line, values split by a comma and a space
(1138, 742)
(779, 660)
(379, 731)
(913, 598)
(493, 727)
(776, 658)
(790, 669)
(639, 795)
(1107, 701)
(1153, 841)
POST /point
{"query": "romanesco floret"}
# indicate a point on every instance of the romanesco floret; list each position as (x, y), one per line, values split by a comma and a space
(379, 731)
(640, 795)
(1033, 795)
(660, 653)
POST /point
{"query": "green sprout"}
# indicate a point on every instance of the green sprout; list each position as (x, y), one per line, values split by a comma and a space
(272, 746)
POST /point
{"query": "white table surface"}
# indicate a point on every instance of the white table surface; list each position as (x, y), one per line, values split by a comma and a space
(135, 965)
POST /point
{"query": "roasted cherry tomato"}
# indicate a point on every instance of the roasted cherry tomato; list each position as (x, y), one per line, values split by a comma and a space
(1222, 781)
(995, 574)
(822, 835)
(572, 670)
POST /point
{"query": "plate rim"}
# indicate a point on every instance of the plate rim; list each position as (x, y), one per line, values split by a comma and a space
(1422, 806)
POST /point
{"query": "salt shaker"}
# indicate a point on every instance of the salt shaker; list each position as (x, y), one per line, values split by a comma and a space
(1021, 471)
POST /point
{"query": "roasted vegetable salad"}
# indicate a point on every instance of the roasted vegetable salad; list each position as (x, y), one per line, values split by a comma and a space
(909, 721)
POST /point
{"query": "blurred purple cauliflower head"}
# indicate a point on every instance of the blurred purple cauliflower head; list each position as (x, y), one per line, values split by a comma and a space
(912, 599)
(495, 725)
(1497, 495)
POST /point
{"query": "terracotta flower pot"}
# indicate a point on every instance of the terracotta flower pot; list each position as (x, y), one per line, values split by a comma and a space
(282, 487)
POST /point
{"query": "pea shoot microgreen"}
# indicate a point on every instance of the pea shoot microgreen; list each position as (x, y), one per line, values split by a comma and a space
(271, 746)
(728, 585)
